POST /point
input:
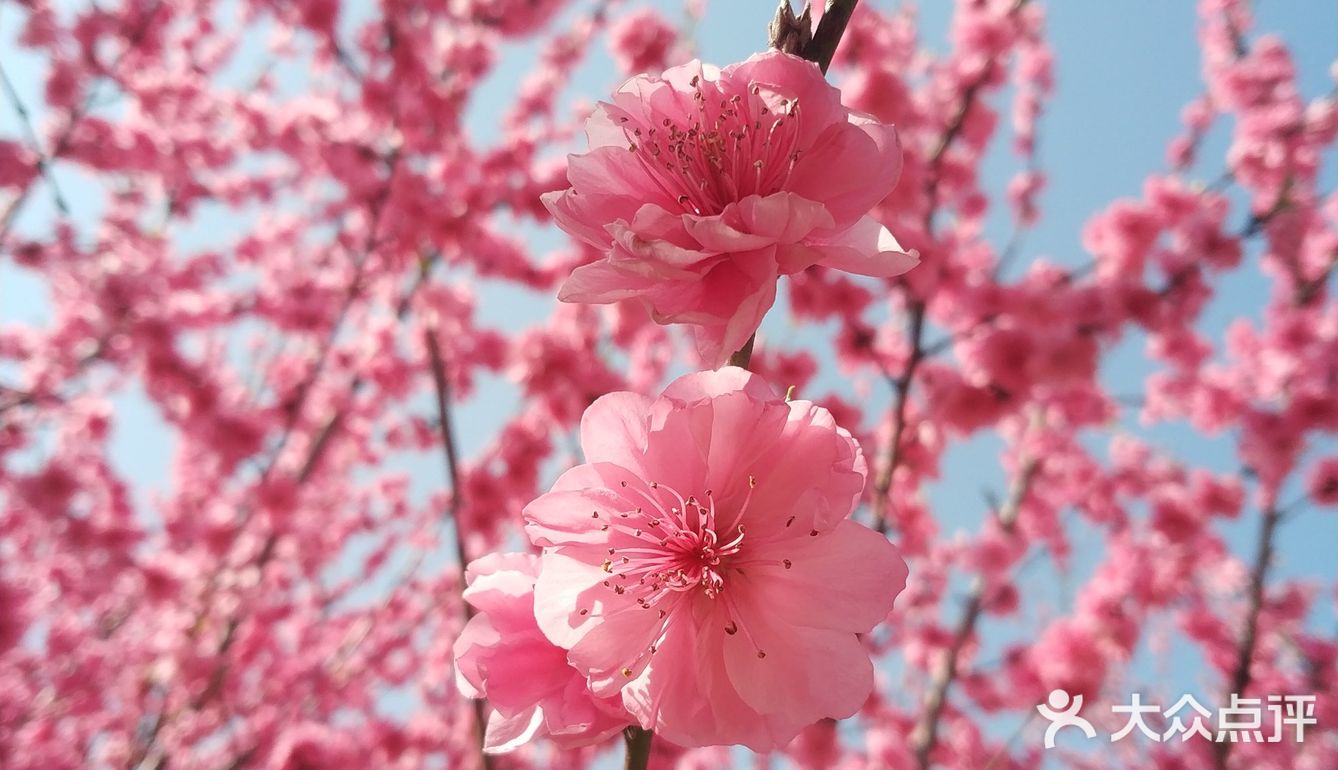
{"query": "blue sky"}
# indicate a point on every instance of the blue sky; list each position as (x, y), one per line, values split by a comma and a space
(1124, 71)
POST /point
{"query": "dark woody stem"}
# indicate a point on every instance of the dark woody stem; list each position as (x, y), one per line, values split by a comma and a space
(638, 747)
(822, 47)
(744, 354)
(792, 34)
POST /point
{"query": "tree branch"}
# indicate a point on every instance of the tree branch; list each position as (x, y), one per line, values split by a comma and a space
(790, 33)
(76, 116)
(638, 748)
(822, 47)
(925, 736)
(1249, 640)
(901, 387)
(442, 386)
(43, 160)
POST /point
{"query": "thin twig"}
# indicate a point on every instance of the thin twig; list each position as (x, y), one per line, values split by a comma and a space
(76, 116)
(1249, 640)
(442, 385)
(901, 387)
(43, 160)
(822, 47)
(638, 748)
(925, 736)
(915, 316)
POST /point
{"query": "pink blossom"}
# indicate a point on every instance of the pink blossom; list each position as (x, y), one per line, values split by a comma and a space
(704, 185)
(641, 41)
(1323, 481)
(702, 561)
(502, 656)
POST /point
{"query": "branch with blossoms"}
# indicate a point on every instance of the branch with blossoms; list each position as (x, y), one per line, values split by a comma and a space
(765, 167)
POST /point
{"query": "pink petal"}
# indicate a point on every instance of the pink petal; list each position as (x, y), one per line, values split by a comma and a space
(564, 515)
(845, 579)
(867, 248)
(607, 184)
(728, 379)
(735, 296)
(513, 670)
(807, 674)
(498, 584)
(784, 217)
(601, 283)
(566, 586)
(814, 473)
(798, 79)
(851, 168)
(686, 695)
(613, 429)
(616, 649)
(506, 734)
(715, 233)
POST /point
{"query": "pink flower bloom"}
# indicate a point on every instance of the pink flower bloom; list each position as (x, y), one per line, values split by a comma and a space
(702, 562)
(641, 41)
(704, 185)
(502, 656)
(1323, 481)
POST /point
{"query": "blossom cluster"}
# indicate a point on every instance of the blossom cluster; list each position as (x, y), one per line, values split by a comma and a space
(714, 592)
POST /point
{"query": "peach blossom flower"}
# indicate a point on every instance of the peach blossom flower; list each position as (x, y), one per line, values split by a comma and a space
(703, 186)
(702, 562)
(502, 656)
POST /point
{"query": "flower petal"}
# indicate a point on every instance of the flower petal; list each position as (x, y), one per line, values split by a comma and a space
(814, 472)
(850, 169)
(727, 379)
(496, 585)
(845, 579)
(568, 584)
(867, 248)
(586, 492)
(799, 673)
(506, 734)
(613, 429)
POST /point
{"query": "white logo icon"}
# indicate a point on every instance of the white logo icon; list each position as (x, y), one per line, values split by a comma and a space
(1062, 711)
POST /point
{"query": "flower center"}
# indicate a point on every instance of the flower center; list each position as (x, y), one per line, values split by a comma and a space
(728, 147)
(670, 544)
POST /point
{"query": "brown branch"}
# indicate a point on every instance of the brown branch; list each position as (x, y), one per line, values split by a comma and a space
(915, 316)
(1241, 675)
(744, 355)
(925, 736)
(791, 34)
(901, 387)
(450, 454)
(822, 47)
(76, 116)
(639, 743)
(43, 160)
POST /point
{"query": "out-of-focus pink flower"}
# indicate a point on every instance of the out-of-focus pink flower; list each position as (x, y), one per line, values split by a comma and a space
(702, 562)
(641, 41)
(513, 18)
(501, 655)
(1323, 481)
(702, 186)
